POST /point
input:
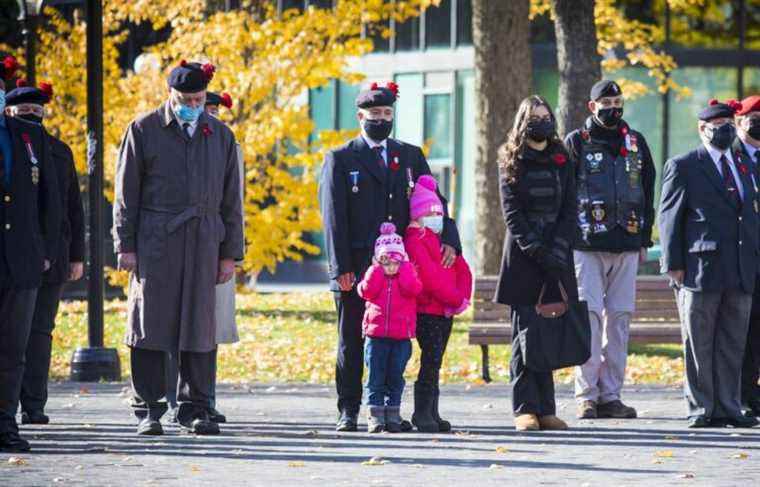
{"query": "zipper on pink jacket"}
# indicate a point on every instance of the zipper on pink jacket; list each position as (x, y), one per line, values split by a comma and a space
(388, 310)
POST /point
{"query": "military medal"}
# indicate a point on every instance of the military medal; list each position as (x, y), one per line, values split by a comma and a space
(35, 174)
(354, 181)
(29, 150)
(597, 211)
(409, 182)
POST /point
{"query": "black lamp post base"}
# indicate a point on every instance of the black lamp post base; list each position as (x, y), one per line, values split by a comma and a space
(95, 365)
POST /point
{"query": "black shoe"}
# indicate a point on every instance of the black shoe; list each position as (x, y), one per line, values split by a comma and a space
(149, 427)
(406, 426)
(34, 417)
(615, 409)
(11, 442)
(422, 417)
(700, 421)
(753, 408)
(742, 422)
(200, 425)
(347, 422)
(216, 416)
(718, 422)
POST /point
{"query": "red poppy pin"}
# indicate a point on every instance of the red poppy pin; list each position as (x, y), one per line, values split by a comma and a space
(623, 151)
(559, 159)
(25, 137)
(743, 168)
(624, 130)
(394, 165)
(585, 135)
(207, 130)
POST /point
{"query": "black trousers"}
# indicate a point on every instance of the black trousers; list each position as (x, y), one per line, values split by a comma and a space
(34, 388)
(433, 334)
(149, 383)
(172, 380)
(532, 391)
(751, 365)
(16, 311)
(349, 367)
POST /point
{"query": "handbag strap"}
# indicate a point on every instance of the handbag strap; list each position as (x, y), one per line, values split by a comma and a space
(562, 293)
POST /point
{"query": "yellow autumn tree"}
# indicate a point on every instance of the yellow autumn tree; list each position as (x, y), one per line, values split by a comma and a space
(265, 59)
(637, 39)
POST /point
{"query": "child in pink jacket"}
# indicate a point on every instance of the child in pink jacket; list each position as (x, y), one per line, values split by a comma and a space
(390, 288)
(445, 292)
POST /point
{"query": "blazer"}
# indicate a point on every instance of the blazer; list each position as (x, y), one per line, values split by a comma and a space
(702, 231)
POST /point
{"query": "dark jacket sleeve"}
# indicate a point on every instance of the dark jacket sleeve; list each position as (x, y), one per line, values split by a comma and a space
(51, 213)
(673, 205)
(128, 185)
(566, 229)
(75, 212)
(648, 177)
(450, 234)
(333, 202)
(233, 246)
(514, 216)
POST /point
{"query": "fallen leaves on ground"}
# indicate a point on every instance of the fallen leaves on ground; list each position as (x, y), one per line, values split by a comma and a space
(740, 456)
(664, 454)
(502, 449)
(291, 338)
(375, 462)
(296, 464)
(18, 461)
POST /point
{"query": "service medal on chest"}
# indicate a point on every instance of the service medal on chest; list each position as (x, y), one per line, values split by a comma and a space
(354, 181)
(35, 174)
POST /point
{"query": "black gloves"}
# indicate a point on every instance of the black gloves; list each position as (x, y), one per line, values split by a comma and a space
(553, 262)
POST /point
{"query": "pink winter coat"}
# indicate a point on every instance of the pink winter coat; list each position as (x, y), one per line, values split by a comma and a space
(445, 292)
(391, 302)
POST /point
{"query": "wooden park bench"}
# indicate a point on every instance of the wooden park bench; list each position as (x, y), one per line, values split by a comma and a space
(654, 321)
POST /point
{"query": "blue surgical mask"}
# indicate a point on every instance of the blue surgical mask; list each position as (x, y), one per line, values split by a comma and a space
(188, 114)
(2, 101)
(433, 222)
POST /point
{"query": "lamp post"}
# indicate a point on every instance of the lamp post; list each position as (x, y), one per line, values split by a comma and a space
(29, 12)
(95, 363)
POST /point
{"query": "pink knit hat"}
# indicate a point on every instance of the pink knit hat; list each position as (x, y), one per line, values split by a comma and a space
(390, 243)
(424, 199)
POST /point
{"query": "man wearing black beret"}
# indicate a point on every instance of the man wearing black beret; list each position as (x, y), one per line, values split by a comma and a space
(30, 229)
(178, 228)
(615, 178)
(709, 236)
(364, 183)
(27, 103)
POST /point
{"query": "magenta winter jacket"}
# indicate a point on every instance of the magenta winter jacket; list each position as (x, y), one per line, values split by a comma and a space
(445, 292)
(391, 310)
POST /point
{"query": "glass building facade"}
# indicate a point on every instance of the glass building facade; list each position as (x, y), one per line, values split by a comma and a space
(432, 60)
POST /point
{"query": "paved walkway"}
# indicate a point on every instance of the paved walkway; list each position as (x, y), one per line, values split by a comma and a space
(282, 435)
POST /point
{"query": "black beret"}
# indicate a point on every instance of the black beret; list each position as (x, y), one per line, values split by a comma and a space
(604, 88)
(191, 77)
(378, 96)
(216, 99)
(715, 109)
(29, 94)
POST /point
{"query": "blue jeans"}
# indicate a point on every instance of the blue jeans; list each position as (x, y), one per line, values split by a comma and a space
(386, 360)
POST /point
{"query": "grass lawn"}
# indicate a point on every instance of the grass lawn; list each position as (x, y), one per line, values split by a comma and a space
(292, 338)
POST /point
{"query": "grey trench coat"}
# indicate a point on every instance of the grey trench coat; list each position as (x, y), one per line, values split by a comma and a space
(178, 206)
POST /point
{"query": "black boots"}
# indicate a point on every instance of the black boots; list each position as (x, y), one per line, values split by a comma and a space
(443, 425)
(424, 403)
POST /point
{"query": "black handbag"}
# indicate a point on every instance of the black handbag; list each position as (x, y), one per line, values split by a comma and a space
(554, 335)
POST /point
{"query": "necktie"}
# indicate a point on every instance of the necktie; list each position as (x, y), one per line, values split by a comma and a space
(379, 152)
(186, 129)
(729, 181)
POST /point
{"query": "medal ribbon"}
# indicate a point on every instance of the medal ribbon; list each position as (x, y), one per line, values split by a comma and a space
(28, 144)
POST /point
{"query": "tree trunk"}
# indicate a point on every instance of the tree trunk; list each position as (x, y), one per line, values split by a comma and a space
(578, 60)
(503, 69)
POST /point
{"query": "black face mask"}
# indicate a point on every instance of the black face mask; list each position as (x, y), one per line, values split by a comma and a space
(377, 130)
(721, 137)
(609, 116)
(754, 128)
(541, 130)
(31, 118)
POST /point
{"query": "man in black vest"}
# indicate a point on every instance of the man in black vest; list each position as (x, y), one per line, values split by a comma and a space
(747, 146)
(616, 177)
(30, 227)
(709, 234)
(364, 183)
(27, 103)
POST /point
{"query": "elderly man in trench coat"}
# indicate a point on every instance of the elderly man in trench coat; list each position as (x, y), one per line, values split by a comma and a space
(178, 228)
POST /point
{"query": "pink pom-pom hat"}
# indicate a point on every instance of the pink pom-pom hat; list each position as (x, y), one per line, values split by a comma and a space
(424, 198)
(390, 243)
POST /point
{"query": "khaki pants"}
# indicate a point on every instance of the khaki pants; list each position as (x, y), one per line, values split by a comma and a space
(607, 282)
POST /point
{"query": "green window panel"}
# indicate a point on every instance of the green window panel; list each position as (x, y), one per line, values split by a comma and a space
(322, 107)
(347, 105)
(409, 109)
(438, 125)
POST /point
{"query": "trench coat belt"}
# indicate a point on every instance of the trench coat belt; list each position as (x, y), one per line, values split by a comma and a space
(182, 214)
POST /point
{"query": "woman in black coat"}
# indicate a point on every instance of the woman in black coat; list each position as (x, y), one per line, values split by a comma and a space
(537, 186)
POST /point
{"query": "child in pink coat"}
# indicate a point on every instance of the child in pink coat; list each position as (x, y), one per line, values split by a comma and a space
(390, 288)
(445, 292)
